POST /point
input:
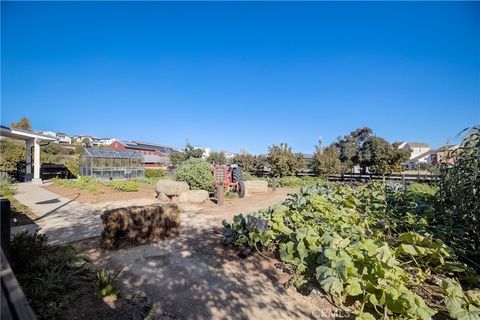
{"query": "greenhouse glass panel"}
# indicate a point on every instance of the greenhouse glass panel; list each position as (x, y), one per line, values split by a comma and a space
(109, 164)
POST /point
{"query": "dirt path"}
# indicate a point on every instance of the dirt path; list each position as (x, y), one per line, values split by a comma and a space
(193, 276)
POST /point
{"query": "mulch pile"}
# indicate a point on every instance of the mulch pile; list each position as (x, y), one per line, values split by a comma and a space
(124, 227)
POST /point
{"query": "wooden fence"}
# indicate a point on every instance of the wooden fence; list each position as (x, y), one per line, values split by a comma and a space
(404, 178)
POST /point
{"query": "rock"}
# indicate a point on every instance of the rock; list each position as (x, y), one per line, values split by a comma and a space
(162, 197)
(255, 186)
(193, 196)
(171, 188)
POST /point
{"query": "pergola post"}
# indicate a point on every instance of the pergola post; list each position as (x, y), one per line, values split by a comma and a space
(28, 160)
(36, 162)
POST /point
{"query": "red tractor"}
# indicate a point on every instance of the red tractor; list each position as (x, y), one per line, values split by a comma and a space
(231, 176)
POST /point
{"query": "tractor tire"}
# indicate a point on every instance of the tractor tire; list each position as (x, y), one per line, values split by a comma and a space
(241, 189)
(237, 174)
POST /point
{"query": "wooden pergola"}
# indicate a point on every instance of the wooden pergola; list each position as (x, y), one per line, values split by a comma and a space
(32, 141)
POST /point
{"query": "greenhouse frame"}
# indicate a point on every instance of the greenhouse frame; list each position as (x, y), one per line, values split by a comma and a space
(109, 164)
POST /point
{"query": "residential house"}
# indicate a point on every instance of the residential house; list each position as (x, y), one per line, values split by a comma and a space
(80, 138)
(440, 155)
(419, 153)
(62, 138)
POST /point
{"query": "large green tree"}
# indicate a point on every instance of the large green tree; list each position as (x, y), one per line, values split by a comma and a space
(349, 146)
(217, 157)
(176, 158)
(245, 160)
(11, 153)
(380, 157)
(327, 161)
(283, 162)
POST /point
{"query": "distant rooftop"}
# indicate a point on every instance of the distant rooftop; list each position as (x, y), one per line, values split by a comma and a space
(418, 144)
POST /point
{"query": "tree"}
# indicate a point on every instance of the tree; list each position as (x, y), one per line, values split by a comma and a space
(380, 157)
(283, 162)
(12, 153)
(327, 161)
(245, 160)
(217, 157)
(85, 141)
(177, 158)
(191, 152)
(350, 145)
(24, 123)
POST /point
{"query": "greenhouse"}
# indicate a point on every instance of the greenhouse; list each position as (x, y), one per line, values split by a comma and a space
(111, 164)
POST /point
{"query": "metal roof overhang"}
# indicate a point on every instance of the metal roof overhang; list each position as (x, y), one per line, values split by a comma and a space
(20, 134)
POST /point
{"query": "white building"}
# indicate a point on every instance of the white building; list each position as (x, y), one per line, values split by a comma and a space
(60, 137)
(63, 138)
(206, 151)
(229, 155)
(102, 141)
(420, 153)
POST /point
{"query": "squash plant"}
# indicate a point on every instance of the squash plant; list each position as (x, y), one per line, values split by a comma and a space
(371, 244)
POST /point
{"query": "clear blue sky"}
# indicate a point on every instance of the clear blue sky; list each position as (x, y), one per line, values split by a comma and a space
(242, 75)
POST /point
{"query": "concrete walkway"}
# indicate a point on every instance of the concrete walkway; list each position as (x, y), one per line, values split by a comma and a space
(65, 220)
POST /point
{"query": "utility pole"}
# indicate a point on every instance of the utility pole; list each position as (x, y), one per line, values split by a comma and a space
(320, 144)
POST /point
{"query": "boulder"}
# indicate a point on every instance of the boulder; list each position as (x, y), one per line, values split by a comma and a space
(170, 188)
(193, 196)
(163, 197)
(255, 186)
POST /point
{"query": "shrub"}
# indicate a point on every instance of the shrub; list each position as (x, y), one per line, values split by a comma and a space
(51, 276)
(6, 188)
(138, 225)
(82, 183)
(197, 173)
(423, 191)
(106, 283)
(121, 185)
(283, 162)
(297, 182)
(73, 165)
(154, 173)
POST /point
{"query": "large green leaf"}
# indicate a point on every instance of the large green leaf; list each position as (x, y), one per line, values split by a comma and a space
(332, 285)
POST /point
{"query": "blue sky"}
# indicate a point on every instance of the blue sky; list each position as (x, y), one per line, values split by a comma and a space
(242, 75)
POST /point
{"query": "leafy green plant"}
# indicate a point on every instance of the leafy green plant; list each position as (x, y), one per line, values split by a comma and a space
(122, 185)
(154, 173)
(106, 283)
(6, 188)
(231, 195)
(197, 173)
(82, 183)
(461, 305)
(459, 194)
(369, 243)
(51, 276)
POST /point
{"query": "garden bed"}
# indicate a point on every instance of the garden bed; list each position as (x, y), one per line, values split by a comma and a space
(106, 193)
